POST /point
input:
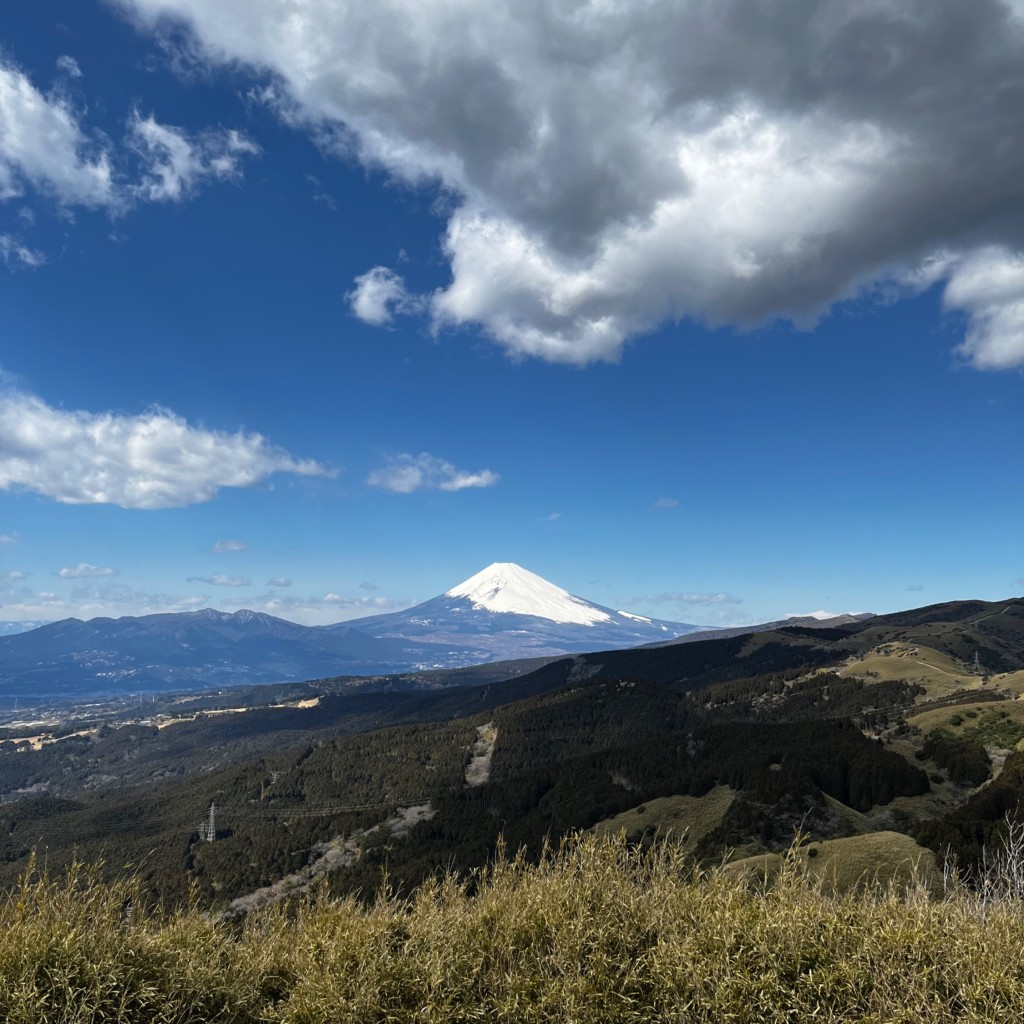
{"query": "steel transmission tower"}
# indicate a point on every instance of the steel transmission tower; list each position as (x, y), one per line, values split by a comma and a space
(208, 828)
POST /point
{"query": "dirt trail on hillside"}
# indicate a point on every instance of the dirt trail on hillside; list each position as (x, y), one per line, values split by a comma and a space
(478, 771)
(339, 852)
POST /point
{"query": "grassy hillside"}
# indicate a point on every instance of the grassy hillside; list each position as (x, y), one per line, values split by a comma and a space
(596, 934)
(682, 820)
(839, 731)
(845, 865)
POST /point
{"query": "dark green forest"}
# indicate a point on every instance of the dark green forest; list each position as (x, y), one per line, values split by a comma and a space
(774, 717)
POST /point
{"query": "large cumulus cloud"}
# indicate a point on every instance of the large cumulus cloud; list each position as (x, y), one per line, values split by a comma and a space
(617, 164)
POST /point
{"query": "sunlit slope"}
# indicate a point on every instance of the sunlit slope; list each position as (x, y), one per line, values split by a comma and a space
(681, 819)
(842, 865)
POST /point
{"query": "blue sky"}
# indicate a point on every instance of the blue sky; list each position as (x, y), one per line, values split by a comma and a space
(361, 319)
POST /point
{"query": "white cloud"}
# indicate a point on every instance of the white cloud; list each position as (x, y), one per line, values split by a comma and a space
(821, 614)
(150, 460)
(378, 295)
(228, 545)
(85, 571)
(609, 167)
(44, 148)
(368, 586)
(665, 503)
(88, 600)
(15, 253)
(7, 538)
(219, 579)
(13, 574)
(67, 65)
(988, 286)
(405, 474)
(327, 608)
(42, 145)
(175, 163)
(551, 517)
(279, 581)
(678, 597)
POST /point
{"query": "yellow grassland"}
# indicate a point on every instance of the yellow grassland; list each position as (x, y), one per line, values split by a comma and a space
(842, 865)
(686, 819)
(599, 933)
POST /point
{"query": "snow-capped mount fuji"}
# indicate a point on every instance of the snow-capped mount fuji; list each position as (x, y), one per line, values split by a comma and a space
(506, 611)
(510, 589)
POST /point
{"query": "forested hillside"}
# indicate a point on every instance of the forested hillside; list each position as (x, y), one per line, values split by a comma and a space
(840, 732)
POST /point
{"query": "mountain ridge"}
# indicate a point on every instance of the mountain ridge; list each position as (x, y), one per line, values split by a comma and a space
(504, 612)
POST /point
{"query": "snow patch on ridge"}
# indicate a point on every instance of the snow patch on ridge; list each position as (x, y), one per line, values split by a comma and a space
(821, 615)
(507, 587)
(636, 618)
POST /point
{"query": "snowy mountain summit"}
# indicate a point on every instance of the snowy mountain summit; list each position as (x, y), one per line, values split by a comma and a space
(506, 612)
(507, 587)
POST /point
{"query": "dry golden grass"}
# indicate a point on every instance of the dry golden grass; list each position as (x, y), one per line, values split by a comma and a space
(596, 934)
(843, 865)
(962, 717)
(683, 819)
(939, 674)
(1009, 681)
(856, 823)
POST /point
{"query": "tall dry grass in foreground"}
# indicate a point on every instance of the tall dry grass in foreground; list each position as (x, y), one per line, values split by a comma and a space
(596, 933)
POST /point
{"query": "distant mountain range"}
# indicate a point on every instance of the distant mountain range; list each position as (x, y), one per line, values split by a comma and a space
(10, 628)
(504, 612)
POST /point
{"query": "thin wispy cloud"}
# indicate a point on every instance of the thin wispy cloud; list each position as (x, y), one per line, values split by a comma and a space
(220, 579)
(14, 253)
(683, 597)
(45, 150)
(84, 570)
(665, 503)
(91, 598)
(228, 545)
(325, 608)
(175, 163)
(67, 65)
(405, 474)
(150, 460)
(279, 581)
